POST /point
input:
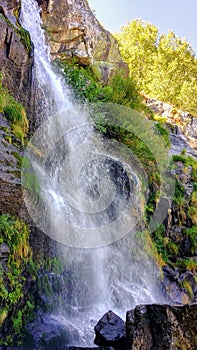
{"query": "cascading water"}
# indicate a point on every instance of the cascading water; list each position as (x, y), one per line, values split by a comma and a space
(88, 200)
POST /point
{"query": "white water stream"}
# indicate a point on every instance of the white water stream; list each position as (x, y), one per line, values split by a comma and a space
(91, 204)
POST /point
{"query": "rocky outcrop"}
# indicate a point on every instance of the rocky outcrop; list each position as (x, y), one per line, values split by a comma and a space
(15, 57)
(158, 327)
(180, 287)
(74, 32)
(184, 126)
(162, 327)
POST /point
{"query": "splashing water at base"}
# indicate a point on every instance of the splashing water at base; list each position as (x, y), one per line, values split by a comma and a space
(90, 203)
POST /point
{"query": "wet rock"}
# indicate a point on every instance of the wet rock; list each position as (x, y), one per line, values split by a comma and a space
(110, 331)
(74, 31)
(10, 184)
(162, 327)
(49, 332)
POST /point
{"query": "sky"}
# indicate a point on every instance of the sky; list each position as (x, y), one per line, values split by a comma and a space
(177, 15)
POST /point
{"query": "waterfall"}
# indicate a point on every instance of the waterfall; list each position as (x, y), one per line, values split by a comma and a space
(88, 199)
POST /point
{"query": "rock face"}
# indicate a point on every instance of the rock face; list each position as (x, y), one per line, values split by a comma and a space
(10, 184)
(8, 8)
(174, 282)
(162, 327)
(110, 331)
(74, 31)
(184, 126)
(15, 58)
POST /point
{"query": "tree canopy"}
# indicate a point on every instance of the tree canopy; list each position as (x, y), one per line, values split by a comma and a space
(164, 66)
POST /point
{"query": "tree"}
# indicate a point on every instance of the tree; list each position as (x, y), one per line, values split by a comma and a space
(138, 46)
(164, 66)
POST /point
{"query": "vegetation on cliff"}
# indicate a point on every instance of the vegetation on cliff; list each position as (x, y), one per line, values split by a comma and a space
(14, 112)
(15, 278)
(164, 66)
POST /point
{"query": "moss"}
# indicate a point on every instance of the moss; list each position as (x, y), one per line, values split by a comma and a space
(25, 37)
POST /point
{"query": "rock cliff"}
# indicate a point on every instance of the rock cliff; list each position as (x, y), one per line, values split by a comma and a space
(15, 55)
(162, 327)
(74, 32)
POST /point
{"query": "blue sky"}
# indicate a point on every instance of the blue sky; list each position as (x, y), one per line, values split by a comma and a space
(178, 15)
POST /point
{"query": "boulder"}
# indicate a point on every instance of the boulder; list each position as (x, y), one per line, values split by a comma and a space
(110, 331)
(162, 327)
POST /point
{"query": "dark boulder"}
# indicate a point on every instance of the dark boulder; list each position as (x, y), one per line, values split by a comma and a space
(110, 331)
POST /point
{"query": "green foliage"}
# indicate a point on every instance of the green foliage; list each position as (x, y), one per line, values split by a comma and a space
(124, 91)
(179, 193)
(25, 37)
(120, 89)
(17, 322)
(169, 246)
(15, 234)
(163, 131)
(138, 46)
(14, 112)
(187, 264)
(191, 233)
(164, 66)
(84, 83)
